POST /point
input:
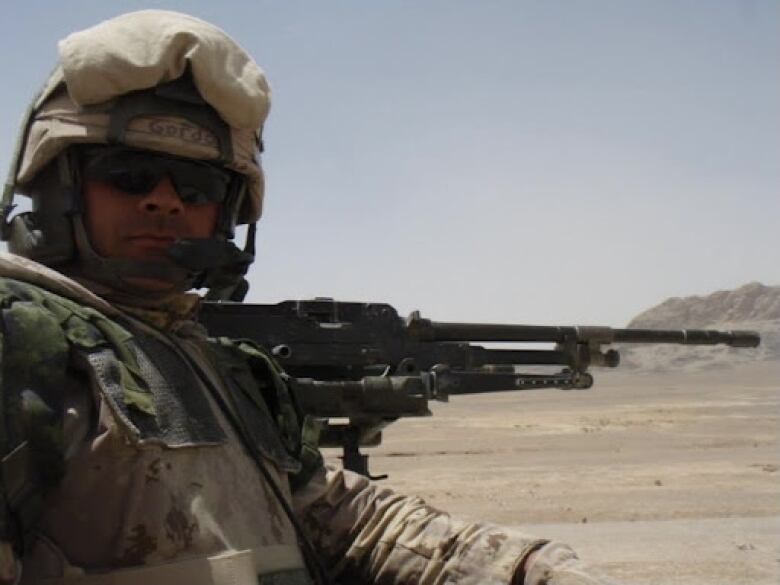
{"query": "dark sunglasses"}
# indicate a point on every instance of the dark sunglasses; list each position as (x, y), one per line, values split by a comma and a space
(138, 172)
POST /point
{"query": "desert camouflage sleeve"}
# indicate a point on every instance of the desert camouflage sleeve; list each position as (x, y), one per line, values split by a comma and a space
(370, 534)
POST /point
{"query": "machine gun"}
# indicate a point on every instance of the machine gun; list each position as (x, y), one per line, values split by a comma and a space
(360, 366)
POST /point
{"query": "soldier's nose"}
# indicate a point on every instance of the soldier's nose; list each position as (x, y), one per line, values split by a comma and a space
(163, 199)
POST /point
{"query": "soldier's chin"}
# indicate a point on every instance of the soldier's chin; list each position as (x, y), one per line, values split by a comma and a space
(150, 284)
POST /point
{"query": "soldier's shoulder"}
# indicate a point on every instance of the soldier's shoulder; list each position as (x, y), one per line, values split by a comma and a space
(25, 279)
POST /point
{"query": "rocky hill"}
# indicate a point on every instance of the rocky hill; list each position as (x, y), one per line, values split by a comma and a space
(754, 306)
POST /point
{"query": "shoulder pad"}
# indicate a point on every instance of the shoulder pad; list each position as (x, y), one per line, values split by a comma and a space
(27, 271)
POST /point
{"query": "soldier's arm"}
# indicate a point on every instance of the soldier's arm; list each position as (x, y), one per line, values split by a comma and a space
(368, 532)
(47, 408)
(77, 426)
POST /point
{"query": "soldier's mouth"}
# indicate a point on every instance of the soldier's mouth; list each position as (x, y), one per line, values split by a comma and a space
(155, 244)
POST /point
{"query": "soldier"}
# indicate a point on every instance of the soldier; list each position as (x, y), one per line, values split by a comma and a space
(136, 449)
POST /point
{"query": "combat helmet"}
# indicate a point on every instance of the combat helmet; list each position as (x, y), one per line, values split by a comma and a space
(155, 81)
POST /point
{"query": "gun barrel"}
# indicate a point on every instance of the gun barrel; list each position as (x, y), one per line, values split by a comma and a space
(425, 330)
(688, 337)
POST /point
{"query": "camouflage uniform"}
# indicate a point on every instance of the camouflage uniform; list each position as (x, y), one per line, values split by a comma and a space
(145, 485)
(138, 450)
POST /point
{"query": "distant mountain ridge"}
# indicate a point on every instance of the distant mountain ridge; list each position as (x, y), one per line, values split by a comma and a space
(754, 306)
(749, 303)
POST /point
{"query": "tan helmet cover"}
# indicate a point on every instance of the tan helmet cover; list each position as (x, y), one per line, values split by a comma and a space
(141, 50)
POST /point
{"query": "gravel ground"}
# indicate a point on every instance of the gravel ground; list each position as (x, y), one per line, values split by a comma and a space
(666, 478)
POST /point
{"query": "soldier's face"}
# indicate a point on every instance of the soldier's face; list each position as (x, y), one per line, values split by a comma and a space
(143, 225)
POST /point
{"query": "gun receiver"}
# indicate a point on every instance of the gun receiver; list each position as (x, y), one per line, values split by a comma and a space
(362, 362)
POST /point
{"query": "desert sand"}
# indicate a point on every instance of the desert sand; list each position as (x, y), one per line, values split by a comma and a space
(667, 478)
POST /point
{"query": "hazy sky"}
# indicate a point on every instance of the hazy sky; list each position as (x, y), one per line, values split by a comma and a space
(572, 162)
